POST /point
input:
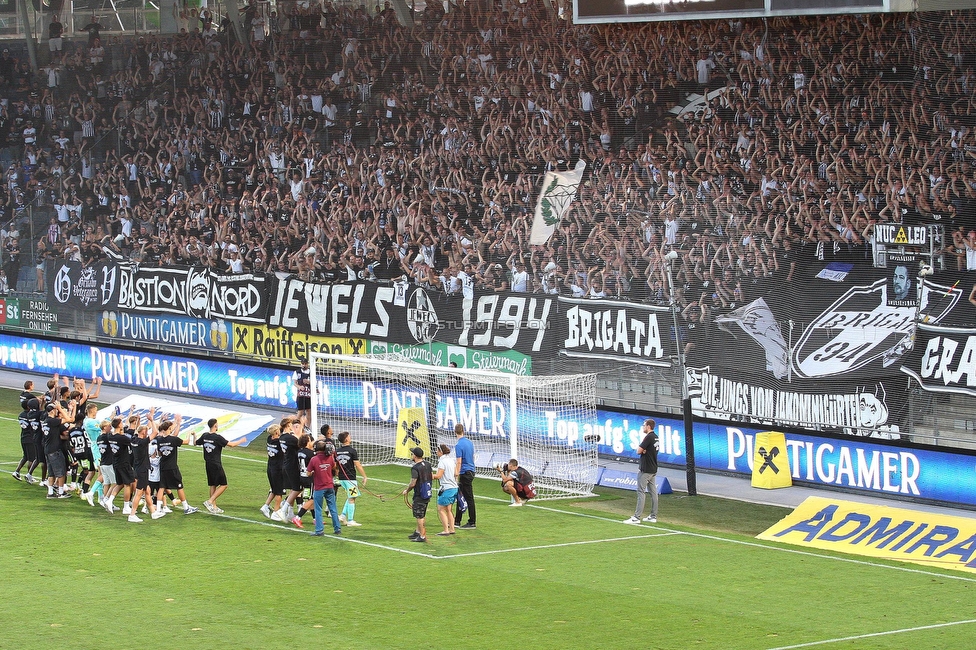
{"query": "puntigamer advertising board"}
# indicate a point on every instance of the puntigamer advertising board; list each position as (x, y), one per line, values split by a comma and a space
(857, 463)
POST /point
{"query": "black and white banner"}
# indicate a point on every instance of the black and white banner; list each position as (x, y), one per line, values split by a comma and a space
(943, 358)
(94, 287)
(615, 330)
(196, 292)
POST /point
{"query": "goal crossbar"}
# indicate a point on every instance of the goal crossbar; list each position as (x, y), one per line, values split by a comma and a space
(388, 403)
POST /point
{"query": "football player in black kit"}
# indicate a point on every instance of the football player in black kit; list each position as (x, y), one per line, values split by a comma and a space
(213, 443)
(169, 442)
(274, 471)
(29, 457)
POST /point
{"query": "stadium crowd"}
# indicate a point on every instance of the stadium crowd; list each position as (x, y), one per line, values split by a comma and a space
(338, 144)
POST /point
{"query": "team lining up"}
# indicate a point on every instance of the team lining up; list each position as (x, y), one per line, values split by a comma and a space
(137, 456)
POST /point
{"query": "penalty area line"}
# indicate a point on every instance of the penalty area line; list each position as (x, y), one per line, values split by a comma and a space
(870, 635)
(545, 546)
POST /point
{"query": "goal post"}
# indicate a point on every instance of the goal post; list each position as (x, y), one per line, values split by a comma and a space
(390, 404)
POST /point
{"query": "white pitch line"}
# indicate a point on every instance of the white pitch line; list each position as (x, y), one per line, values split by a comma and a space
(875, 634)
(544, 546)
(338, 538)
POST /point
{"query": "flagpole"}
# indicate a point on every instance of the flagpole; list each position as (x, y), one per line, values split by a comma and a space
(686, 412)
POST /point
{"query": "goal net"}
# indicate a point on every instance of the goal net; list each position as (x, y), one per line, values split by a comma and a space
(391, 405)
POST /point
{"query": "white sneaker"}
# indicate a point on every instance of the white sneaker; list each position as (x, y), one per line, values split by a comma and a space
(266, 510)
(210, 507)
(145, 510)
(633, 520)
(30, 479)
(189, 510)
(167, 510)
(218, 511)
(127, 509)
(342, 519)
(158, 514)
(515, 504)
(651, 520)
(278, 515)
(352, 522)
(135, 519)
(89, 497)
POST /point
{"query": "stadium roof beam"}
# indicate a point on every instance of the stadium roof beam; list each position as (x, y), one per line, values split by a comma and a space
(28, 36)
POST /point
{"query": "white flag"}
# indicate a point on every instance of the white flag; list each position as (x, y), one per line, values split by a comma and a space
(558, 192)
(757, 320)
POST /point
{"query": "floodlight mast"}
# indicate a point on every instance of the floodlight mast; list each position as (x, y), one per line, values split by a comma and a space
(686, 412)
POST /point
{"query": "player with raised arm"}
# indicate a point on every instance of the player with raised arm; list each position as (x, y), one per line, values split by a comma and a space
(169, 443)
(145, 434)
(305, 454)
(213, 443)
(291, 428)
(275, 456)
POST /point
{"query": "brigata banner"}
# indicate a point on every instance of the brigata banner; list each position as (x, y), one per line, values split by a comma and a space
(927, 538)
(616, 330)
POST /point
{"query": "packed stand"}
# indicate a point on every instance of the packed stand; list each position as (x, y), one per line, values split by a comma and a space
(337, 144)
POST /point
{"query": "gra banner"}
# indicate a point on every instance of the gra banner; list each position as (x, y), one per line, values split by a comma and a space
(925, 538)
(943, 358)
(97, 286)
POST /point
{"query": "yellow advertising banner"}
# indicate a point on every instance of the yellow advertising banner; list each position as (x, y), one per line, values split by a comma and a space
(280, 345)
(932, 539)
(770, 465)
(411, 432)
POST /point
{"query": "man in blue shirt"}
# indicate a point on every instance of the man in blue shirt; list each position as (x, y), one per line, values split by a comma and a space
(464, 450)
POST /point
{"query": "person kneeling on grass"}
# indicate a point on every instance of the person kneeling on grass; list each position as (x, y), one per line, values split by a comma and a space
(517, 481)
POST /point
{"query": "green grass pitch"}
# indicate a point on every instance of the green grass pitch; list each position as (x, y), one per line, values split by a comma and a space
(559, 574)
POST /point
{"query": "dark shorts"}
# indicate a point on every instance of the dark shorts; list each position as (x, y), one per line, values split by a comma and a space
(86, 463)
(39, 452)
(303, 403)
(307, 489)
(56, 466)
(291, 478)
(216, 475)
(30, 451)
(142, 478)
(420, 508)
(171, 479)
(274, 480)
(124, 474)
(155, 486)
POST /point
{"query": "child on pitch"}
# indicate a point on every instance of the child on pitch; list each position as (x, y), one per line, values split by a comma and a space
(305, 454)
